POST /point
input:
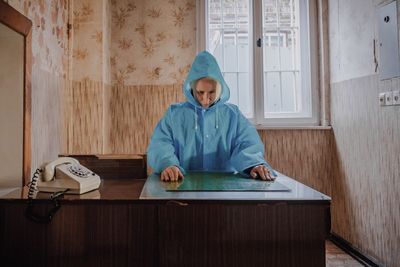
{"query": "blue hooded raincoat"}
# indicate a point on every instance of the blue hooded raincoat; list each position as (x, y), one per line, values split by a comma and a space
(218, 138)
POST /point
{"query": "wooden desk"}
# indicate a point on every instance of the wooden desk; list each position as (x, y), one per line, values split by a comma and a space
(113, 227)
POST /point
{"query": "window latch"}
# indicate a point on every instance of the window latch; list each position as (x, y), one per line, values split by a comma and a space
(259, 42)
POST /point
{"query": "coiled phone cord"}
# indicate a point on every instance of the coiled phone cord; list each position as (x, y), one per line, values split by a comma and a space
(33, 183)
(29, 212)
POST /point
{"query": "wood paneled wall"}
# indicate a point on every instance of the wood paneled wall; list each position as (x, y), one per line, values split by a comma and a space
(303, 154)
(366, 188)
(84, 117)
(103, 119)
(133, 114)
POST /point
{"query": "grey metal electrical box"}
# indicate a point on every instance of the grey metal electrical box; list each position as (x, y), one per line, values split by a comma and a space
(389, 61)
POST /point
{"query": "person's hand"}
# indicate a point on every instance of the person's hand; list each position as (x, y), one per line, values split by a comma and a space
(262, 172)
(172, 173)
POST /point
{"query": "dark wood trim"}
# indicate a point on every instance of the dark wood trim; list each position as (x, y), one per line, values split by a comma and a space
(28, 109)
(21, 24)
(14, 20)
(353, 251)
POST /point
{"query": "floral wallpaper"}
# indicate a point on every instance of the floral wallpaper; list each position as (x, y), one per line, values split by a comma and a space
(49, 33)
(86, 49)
(136, 42)
(153, 42)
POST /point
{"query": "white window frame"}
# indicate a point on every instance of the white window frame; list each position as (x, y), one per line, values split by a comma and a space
(256, 62)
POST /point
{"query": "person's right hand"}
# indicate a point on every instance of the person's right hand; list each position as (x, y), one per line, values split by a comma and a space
(172, 173)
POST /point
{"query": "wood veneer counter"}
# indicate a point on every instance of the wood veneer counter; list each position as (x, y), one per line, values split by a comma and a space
(137, 191)
(110, 190)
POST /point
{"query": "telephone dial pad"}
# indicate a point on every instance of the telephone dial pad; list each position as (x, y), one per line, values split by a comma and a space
(79, 171)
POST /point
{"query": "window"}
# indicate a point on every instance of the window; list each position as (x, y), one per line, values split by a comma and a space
(263, 48)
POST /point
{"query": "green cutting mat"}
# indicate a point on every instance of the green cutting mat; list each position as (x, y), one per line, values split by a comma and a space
(201, 181)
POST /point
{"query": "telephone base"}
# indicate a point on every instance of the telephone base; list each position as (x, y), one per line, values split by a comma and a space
(76, 178)
(71, 191)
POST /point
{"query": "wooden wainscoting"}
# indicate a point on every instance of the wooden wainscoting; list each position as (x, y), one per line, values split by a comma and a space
(84, 117)
(305, 155)
(133, 114)
(103, 119)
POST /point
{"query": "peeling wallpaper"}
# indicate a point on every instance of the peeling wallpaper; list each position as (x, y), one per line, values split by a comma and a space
(49, 73)
(49, 33)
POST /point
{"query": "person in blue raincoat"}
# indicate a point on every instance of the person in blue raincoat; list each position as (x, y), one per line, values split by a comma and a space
(205, 133)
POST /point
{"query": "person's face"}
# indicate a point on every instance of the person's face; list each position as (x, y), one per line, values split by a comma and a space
(205, 92)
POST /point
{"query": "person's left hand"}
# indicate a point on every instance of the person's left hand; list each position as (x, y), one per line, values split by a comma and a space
(262, 172)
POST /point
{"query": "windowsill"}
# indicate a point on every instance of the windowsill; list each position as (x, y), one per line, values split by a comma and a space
(264, 127)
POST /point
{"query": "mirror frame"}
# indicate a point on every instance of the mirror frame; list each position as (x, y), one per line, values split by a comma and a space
(21, 24)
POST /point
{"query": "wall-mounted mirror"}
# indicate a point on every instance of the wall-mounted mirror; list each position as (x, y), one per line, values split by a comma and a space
(15, 97)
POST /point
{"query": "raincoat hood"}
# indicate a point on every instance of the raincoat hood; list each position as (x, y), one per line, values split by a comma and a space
(205, 65)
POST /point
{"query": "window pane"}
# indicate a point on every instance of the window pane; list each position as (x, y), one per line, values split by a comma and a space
(230, 55)
(229, 12)
(289, 51)
(286, 14)
(214, 14)
(245, 99)
(272, 93)
(288, 92)
(271, 55)
(270, 13)
(231, 80)
(281, 48)
(243, 54)
(215, 45)
(228, 23)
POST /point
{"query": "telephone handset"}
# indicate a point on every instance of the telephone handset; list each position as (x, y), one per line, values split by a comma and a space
(67, 175)
(49, 168)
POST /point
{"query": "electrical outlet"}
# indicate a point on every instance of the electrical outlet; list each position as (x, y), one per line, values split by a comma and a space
(389, 98)
(396, 97)
(382, 99)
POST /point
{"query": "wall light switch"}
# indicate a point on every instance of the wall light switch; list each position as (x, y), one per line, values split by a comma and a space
(382, 99)
(389, 98)
(396, 97)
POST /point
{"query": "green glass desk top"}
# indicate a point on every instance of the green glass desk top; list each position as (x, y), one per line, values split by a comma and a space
(214, 181)
(154, 188)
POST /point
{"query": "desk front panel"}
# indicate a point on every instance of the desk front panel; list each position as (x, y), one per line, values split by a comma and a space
(80, 234)
(279, 234)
